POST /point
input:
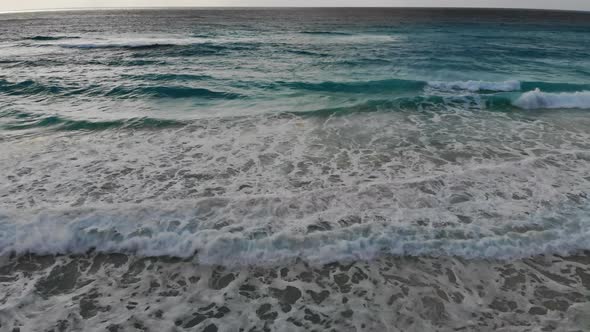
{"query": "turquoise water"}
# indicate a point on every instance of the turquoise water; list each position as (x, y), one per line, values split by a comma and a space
(295, 170)
(258, 136)
(186, 65)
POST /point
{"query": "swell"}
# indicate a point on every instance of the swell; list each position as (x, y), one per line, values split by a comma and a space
(133, 46)
(37, 89)
(51, 38)
(175, 231)
(326, 33)
(393, 93)
(165, 48)
(28, 87)
(476, 86)
(532, 100)
(30, 121)
(392, 85)
(170, 92)
(418, 103)
(397, 85)
(416, 95)
(157, 77)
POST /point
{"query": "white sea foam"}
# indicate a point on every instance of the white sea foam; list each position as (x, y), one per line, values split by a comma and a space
(543, 100)
(475, 86)
(175, 231)
(320, 190)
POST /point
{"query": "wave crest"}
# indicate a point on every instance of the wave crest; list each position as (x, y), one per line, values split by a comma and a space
(149, 232)
(537, 99)
(475, 86)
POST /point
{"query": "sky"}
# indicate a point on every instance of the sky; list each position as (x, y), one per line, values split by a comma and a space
(9, 5)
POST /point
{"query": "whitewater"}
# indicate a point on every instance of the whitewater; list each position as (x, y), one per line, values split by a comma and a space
(294, 169)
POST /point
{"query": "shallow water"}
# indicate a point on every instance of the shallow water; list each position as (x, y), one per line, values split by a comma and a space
(116, 292)
(197, 143)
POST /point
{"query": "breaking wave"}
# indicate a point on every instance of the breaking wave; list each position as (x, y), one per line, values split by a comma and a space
(475, 86)
(176, 232)
(545, 100)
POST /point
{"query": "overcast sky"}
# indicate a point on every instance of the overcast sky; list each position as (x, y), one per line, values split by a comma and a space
(6, 5)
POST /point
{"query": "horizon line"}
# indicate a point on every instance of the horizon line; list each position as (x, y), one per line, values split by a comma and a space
(67, 9)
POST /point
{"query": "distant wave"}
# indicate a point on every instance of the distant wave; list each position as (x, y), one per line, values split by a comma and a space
(507, 86)
(391, 85)
(170, 92)
(544, 100)
(49, 38)
(305, 52)
(174, 231)
(475, 86)
(172, 48)
(28, 87)
(395, 85)
(168, 77)
(131, 45)
(25, 121)
(526, 101)
(327, 33)
(392, 93)
(32, 88)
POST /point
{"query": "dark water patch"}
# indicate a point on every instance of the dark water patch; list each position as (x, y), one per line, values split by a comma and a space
(34, 63)
(55, 122)
(157, 49)
(365, 107)
(304, 52)
(202, 35)
(363, 62)
(380, 86)
(210, 49)
(133, 63)
(32, 88)
(170, 92)
(131, 46)
(28, 87)
(497, 103)
(206, 49)
(149, 46)
(62, 279)
(500, 102)
(139, 62)
(326, 33)
(50, 38)
(554, 87)
(167, 77)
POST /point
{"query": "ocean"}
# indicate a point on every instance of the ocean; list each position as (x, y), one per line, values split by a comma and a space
(340, 169)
